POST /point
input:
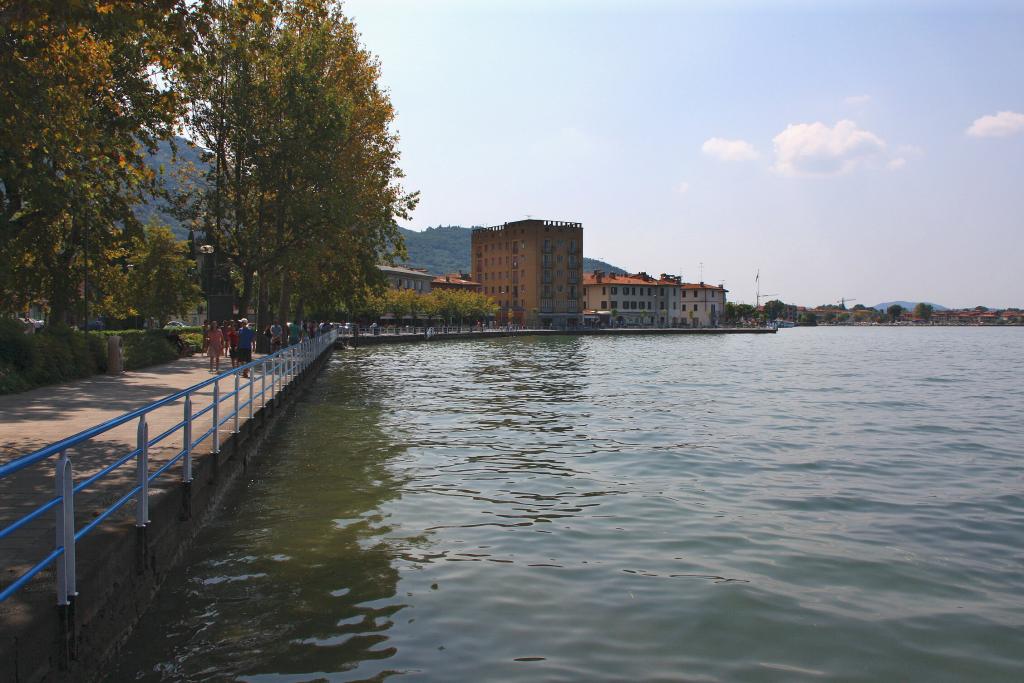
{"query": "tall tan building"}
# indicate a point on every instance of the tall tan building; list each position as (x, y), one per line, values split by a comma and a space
(533, 269)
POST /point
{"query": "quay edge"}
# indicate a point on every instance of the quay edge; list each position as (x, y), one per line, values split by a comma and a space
(121, 567)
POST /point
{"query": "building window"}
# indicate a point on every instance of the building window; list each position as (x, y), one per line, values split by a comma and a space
(615, 304)
(615, 290)
(604, 304)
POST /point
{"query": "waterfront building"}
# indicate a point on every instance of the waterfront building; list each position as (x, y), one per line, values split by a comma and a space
(623, 299)
(533, 270)
(642, 300)
(456, 281)
(402, 277)
(703, 304)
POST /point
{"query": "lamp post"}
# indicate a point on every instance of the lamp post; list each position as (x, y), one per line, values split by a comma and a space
(207, 250)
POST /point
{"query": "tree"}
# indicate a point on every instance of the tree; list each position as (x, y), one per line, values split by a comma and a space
(85, 88)
(808, 318)
(923, 311)
(894, 312)
(162, 285)
(303, 188)
(774, 309)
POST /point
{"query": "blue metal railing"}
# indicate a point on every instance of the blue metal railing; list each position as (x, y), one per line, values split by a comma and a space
(281, 367)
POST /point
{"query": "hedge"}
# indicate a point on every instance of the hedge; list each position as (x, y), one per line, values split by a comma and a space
(61, 354)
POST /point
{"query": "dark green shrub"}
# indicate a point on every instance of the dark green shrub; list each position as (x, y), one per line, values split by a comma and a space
(146, 348)
(16, 348)
(194, 340)
(60, 354)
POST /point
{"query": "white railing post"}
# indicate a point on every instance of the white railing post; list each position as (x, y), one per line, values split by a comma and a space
(142, 469)
(252, 379)
(186, 466)
(65, 530)
(216, 416)
(263, 384)
(235, 429)
(273, 378)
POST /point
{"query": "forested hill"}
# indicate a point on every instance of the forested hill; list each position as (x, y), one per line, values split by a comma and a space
(445, 249)
(169, 168)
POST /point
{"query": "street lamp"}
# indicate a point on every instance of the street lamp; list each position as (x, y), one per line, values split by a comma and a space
(207, 250)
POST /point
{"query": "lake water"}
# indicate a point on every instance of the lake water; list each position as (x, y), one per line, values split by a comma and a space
(832, 504)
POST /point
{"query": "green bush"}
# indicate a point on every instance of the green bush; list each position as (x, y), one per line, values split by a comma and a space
(194, 340)
(148, 347)
(61, 354)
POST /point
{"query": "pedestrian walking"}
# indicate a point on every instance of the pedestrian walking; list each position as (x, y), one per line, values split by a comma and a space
(233, 342)
(246, 338)
(275, 336)
(215, 347)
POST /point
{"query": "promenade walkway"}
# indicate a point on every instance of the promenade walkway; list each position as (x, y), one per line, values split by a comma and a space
(33, 419)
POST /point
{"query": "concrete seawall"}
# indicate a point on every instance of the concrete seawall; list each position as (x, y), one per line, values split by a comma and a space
(121, 567)
(371, 340)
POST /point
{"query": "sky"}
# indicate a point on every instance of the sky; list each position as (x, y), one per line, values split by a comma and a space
(861, 150)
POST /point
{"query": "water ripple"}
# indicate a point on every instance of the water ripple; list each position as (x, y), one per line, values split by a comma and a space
(826, 505)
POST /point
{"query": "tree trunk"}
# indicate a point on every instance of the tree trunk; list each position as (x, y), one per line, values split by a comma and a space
(243, 301)
(263, 316)
(284, 305)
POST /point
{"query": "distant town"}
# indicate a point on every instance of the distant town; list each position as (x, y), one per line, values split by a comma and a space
(534, 270)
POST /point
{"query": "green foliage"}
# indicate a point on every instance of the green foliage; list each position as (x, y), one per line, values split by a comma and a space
(774, 309)
(450, 305)
(894, 312)
(808, 318)
(923, 311)
(149, 347)
(56, 354)
(194, 340)
(83, 93)
(302, 190)
(739, 312)
(444, 249)
(161, 285)
(61, 354)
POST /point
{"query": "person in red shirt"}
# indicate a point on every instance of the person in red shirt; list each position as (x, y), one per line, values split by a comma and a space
(233, 344)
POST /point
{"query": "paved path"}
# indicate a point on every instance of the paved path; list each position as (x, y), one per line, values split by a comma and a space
(33, 419)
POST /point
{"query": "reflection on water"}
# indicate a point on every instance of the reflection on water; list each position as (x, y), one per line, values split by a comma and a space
(820, 505)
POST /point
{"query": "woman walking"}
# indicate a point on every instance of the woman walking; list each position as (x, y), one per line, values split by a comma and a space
(215, 347)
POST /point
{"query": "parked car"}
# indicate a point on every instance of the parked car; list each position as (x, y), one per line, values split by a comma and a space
(31, 325)
(175, 324)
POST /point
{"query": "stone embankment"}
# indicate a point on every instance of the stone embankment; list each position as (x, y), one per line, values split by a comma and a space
(120, 567)
(365, 339)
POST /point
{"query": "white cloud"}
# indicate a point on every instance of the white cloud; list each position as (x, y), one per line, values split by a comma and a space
(857, 100)
(896, 164)
(729, 150)
(683, 187)
(997, 125)
(910, 151)
(817, 149)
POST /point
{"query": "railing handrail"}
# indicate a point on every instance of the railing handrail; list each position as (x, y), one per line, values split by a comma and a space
(57, 446)
(284, 365)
